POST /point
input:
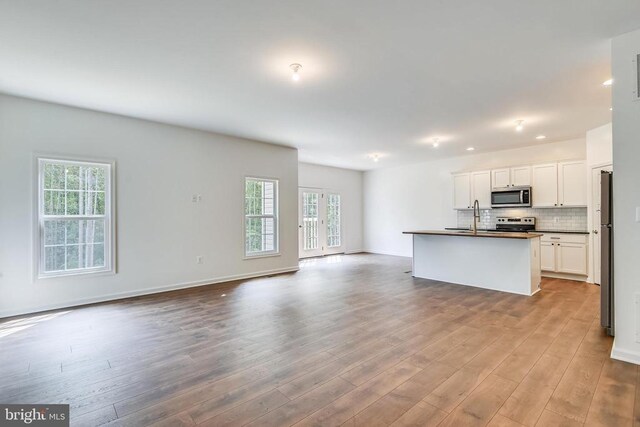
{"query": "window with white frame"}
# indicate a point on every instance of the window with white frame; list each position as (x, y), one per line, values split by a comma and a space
(74, 217)
(261, 216)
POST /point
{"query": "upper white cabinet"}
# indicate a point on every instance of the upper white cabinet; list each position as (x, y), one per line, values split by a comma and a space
(481, 188)
(500, 178)
(544, 185)
(572, 184)
(511, 177)
(561, 184)
(462, 191)
(521, 176)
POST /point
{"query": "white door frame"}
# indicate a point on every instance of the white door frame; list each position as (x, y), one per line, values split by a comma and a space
(323, 248)
(594, 223)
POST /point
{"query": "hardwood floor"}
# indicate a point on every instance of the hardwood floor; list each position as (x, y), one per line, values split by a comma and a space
(348, 340)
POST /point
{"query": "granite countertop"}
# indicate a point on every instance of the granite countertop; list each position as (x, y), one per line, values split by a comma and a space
(469, 233)
(535, 231)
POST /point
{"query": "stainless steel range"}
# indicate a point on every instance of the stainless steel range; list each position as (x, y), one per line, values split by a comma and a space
(523, 224)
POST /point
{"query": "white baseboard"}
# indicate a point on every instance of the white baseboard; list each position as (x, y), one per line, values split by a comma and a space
(625, 355)
(354, 251)
(566, 276)
(148, 291)
(367, 251)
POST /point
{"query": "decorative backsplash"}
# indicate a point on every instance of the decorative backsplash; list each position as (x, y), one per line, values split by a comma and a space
(550, 219)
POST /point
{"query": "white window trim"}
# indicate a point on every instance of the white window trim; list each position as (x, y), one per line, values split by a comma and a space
(276, 216)
(110, 219)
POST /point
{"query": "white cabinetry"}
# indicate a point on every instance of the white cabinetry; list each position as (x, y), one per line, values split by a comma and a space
(547, 256)
(462, 191)
(572, 184)
(481, 188)
(521, 176)
(561, 184)
(564, 253)
(544, 185)
(500, 178)
(511, 177)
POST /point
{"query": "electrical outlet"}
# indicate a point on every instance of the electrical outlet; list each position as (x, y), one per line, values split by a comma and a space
(199, 259)
(556, 219)
(199, 198)
(194, 198)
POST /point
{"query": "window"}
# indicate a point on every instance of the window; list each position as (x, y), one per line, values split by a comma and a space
(261, 216)
(333, 221)
(74, 217)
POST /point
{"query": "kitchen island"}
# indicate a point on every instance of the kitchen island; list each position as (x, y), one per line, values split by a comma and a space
(501, 261)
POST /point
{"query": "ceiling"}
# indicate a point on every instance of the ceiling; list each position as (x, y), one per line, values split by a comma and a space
(378, 76)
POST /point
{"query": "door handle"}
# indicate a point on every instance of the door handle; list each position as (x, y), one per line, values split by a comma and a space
(595, 231)
(299, 226)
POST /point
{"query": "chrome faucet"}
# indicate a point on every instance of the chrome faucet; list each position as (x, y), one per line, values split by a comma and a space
(476, 216)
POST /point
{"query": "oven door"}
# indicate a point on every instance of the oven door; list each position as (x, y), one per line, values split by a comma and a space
(510, 197)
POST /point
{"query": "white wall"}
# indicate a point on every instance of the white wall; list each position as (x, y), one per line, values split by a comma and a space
(626, 196)
(420, 196)
(346, 182)
(159, 230)
(599, 153)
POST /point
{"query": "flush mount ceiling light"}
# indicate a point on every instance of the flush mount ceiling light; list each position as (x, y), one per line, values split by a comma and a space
(375, 157)
(470, 148)
(519, 125)
(540, 137)
(436, 142)
(295, 68)
(607, 82)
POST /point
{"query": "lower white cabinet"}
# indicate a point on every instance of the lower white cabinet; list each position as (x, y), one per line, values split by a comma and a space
(564, 253)
(572, 258)
(547, 256)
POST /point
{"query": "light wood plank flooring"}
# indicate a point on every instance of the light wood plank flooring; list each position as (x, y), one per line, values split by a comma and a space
(348, 340)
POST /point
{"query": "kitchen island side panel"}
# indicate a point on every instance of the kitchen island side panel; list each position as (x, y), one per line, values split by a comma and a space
(508, 265)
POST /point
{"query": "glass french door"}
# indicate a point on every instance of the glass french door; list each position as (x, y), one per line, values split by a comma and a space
(320, 223)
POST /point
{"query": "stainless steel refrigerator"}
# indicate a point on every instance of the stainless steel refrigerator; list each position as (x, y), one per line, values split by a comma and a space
(606, 256)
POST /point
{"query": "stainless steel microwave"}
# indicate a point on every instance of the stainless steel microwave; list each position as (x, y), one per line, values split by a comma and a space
(511, 197)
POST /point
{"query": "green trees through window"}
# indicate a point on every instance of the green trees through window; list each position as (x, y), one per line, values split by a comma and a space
(260, 216)
(73, 216)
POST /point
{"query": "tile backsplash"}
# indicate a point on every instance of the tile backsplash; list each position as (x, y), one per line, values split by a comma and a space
(560, 219)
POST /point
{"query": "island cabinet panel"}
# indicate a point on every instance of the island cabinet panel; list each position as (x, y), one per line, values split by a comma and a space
(481, 189)
(462, 191)
(500, 178)
(544, 185)
(521, 176)
(572, 184)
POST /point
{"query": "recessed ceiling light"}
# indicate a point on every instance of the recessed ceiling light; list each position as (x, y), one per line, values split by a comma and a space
(470, 148)
(610, 108)
(540, 137)
(295, 76)
(519, 125)
(435, 142)
(607, 82)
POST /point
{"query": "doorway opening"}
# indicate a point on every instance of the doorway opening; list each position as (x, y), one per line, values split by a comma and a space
(319, 222)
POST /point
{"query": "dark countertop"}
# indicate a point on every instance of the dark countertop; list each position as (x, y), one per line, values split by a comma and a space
(535, 231)
(468, 233)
